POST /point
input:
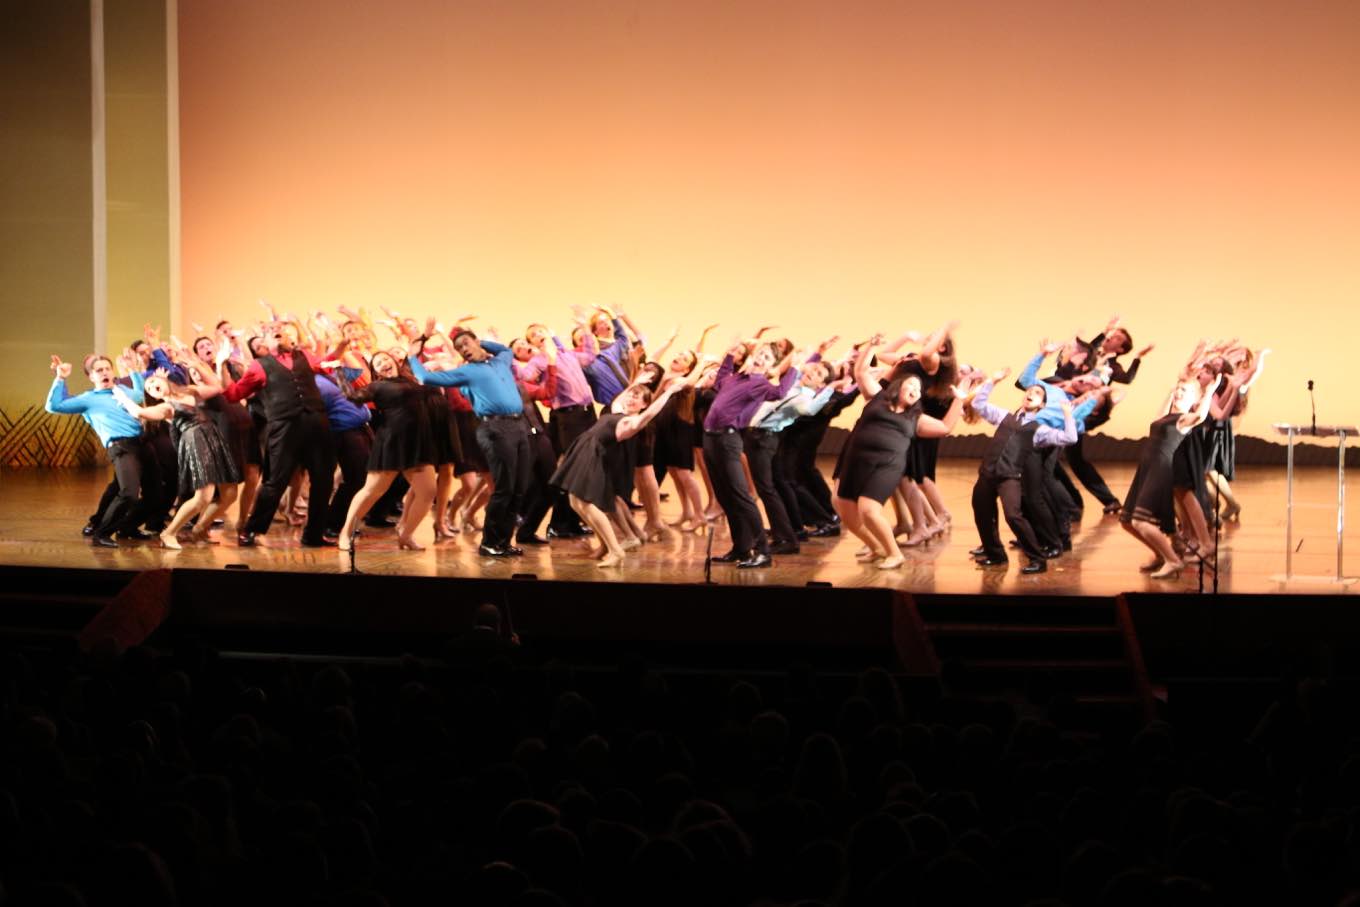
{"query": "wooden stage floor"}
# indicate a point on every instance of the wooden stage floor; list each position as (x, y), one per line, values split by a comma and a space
(42, 511)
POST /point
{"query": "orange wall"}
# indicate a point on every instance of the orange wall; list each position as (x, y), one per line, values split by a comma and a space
(1028, 168)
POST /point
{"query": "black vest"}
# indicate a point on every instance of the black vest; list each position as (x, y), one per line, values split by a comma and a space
(289, 393)
(1004, 457)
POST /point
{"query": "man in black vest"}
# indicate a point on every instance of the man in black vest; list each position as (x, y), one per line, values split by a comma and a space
(297, 435)
(1001, 470)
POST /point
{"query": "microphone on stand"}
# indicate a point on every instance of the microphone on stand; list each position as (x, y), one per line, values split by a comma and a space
(1313, 400)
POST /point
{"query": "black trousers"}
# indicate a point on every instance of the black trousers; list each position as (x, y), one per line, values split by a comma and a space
(565, 425)
(1035, 500)
(985, 493)
(761, 447)
(814, 495)
(134, 462)
(539, 495)
(722, 454)
(302, 442)
(504, 443)
(784, 465)
(161, 487)
(352, 448)
(1088, 475)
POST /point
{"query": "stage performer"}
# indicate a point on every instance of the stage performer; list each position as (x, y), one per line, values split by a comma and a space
(540, 494)
(1220, 441)
(763, 444)
(571, 408)
(402, 444)
(875, 457)
(297, 434)
(120, 434)
(588, 471)
(487, 378)
(209, 474)
(1149, 509)
(1002, 468)
(353, 436)
(739, 394)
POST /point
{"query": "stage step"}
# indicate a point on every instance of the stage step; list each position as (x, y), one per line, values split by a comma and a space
(1027, 642)
(1074, 648)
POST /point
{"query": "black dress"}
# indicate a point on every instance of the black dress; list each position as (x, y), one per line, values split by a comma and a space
(875, 456)
(201, 451)
(443, 431)
(1150, 495)
(236, 426)
(675, 445)
(402, 439)
(592, 464)
(924, 453)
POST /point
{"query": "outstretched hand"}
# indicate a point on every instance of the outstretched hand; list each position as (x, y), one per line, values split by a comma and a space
(1000, 375)
(61, 369)
(1144, 351)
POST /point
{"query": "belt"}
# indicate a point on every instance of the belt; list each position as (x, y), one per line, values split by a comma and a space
(721, 431)
(503, 416)
(576, 407)
(763, 431)
(113, 441)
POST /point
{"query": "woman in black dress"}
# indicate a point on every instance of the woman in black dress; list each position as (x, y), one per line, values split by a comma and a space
(207, 470)
(402, 444)
(875, 457)
(1220, 443)
(1149, 509)
(590, 469)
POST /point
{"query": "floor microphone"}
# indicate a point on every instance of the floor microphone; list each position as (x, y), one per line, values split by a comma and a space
(1313, 401)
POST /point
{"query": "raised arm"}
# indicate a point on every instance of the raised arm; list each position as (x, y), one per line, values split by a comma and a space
(1188, 421)
(868, 384)
(631, 425)
(158, 413)
(982, 404)
(59, 399)
(930, 427)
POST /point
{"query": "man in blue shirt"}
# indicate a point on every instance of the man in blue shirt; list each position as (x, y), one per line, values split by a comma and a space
(487, 379)
(119, 432)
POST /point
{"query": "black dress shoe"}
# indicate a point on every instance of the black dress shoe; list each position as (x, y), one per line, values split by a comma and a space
(88, 529)
(730, 557)
(1014, 544)
(330, 535)
(755, 560)
(565, 533)
(103, 541)
(826, 530)
(489, 551)
(534, 540)
(1112, 508)
(245, 540)
(785, 548)
(1067, 545)
(135, 535)
(381, 524)
(513, 551)
(979, 551)
(322, 542)
(990, 561)
(802, 535)
(1038, 565)
(1051, 552)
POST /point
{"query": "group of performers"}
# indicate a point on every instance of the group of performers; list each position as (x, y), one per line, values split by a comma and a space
(273, 416)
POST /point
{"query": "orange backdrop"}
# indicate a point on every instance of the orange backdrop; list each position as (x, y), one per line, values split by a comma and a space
(1028, 168)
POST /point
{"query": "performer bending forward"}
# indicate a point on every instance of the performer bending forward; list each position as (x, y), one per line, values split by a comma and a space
(876, 455)
(586, 472)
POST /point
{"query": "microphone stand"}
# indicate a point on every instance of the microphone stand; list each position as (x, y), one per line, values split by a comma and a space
(1313, 402)
(353, 553)
(708, 554)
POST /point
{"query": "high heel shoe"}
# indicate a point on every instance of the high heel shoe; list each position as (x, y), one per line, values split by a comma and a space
(408, 543)
(892, 563)
(168, 540)
(444, 534)
(629, 544)
(914, 541)
(1151, 566)
(1231, 513)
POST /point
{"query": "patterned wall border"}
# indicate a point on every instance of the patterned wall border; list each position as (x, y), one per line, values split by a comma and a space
(33, 437)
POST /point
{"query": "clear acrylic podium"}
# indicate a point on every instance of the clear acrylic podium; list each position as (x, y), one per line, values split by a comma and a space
(1340, 432)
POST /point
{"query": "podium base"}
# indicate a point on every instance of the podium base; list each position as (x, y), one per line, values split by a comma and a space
(1314, 580)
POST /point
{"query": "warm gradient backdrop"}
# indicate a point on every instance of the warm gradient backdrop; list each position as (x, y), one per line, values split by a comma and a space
(1028, 167)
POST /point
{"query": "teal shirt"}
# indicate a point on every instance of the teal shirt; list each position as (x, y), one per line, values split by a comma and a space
(489, 386)
(100, 409)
